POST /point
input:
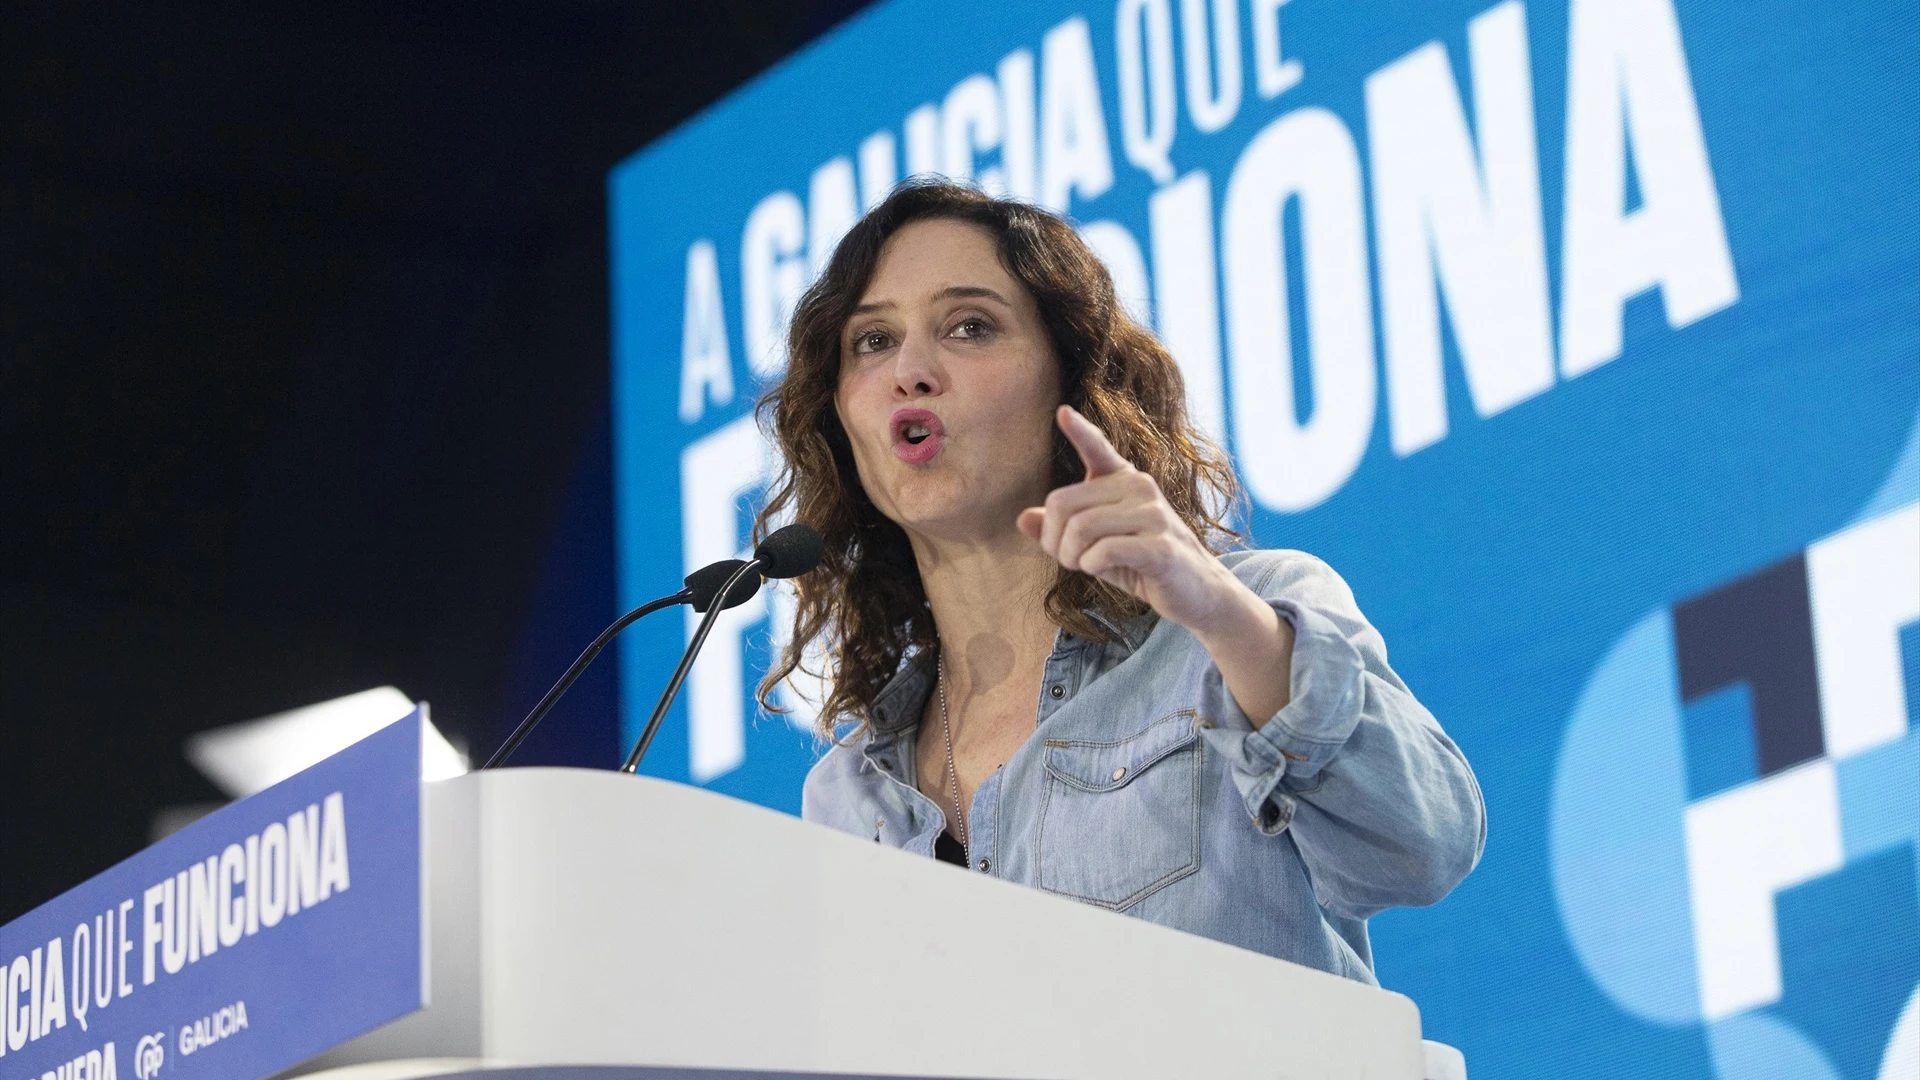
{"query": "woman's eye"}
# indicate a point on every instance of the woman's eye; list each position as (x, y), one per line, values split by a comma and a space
(972, 328)
(871, 341)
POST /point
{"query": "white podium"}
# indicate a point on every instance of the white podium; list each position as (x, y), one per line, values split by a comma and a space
(592, 918)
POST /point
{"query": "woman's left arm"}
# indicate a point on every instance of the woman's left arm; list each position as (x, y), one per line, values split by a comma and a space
(1335, 749)
(1380, 802)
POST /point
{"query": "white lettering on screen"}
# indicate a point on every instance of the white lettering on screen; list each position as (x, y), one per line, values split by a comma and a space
(1457, 226)
(1448, 220)
(1628, 83)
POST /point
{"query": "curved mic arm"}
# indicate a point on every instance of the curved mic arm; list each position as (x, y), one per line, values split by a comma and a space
(686, 665)
(539, 712)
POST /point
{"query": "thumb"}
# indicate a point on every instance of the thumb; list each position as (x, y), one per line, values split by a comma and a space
(1031, 521)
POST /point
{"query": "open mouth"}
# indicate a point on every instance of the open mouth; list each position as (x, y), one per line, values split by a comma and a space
(917, 435)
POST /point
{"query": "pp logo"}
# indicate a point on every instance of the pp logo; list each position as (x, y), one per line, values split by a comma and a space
(1735, 817)
(149, 1055)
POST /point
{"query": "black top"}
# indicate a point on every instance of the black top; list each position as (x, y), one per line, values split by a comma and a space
(947, 849)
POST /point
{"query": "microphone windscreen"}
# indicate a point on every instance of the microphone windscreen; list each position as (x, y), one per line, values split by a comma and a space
(706, 582)
(789, 552)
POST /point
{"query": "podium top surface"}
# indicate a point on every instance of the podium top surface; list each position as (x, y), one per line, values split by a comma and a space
(583, 917)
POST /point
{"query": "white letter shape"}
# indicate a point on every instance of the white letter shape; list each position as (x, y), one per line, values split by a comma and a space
(831, 211)
(1213, 77)
(923, 141)
(1074, 157)
(1186, 295)
(334, 876)
(773, 273)
(969, 126)
(1864, 584)
(1143, 40)
(1291, 466)
(1627, 79)
(878, 171)
(714, 472)
(1274, 75)
(706, 365)
(1743, 846)
(1479, 223)
(1016, 105)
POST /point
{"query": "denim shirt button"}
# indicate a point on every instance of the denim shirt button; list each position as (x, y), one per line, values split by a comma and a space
(985, 865)
(1056, 691)
(1119, 772)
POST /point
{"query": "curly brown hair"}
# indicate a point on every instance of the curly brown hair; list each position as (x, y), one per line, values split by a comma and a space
(865, 606)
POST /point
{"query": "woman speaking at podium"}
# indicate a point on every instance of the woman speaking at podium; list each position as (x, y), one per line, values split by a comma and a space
(1047, 663)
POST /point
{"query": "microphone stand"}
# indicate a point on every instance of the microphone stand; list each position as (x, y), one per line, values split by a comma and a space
(632, 764)
(539, 712)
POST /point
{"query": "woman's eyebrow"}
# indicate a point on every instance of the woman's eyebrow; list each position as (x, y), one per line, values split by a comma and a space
(951, 292)
(970, 292)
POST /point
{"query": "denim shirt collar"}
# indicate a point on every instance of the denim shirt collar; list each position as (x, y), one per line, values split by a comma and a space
(898, 704)
(1128, 633)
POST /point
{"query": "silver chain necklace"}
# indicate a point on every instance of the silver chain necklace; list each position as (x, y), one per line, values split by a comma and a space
(946, 734)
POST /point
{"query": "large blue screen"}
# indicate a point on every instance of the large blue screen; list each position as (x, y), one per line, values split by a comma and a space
(1581, 336)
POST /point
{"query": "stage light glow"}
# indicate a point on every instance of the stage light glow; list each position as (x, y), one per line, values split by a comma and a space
(254, 755)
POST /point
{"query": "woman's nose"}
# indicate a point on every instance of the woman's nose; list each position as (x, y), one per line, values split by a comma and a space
(916, 373)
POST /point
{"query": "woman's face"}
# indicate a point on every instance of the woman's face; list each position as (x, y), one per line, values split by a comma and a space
(947, 385)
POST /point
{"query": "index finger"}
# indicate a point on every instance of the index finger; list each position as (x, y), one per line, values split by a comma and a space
(1098, 454)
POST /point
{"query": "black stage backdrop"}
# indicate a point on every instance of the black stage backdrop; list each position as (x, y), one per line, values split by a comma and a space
(303, 373)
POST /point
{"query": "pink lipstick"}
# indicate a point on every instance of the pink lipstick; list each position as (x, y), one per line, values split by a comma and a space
(918, 435)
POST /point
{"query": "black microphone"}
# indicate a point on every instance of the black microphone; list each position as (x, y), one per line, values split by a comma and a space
(789, 552)
(702, 586)
(705, 583)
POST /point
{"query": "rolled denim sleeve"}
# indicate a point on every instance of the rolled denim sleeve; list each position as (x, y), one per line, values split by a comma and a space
(1380, 802)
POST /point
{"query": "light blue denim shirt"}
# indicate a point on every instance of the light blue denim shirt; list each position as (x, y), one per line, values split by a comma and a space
(1146, 790)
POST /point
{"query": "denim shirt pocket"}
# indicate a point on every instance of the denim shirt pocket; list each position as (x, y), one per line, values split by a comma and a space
(1120, 820)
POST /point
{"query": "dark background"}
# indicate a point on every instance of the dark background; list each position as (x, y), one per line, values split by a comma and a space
(303, 373)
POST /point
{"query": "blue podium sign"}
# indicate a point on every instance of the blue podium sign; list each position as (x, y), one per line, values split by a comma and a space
(255, 938)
